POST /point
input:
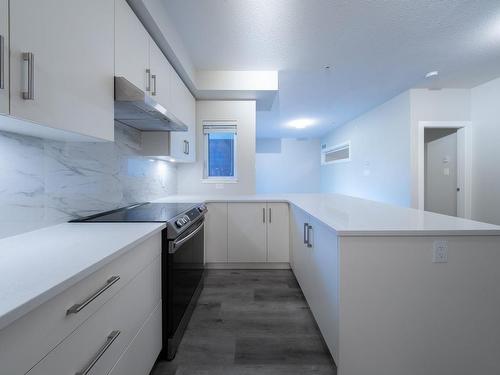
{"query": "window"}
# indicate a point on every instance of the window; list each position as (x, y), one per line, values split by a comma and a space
(336, 153)
(220, 151)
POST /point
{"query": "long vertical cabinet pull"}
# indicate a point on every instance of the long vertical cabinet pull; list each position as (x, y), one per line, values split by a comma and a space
(30, 58)
(2, 62)
(270, 215)
(109, 340)
(148, 84)
(306, 226)
(186, 147)
(263, 214)
(309, 227)
(153, 77)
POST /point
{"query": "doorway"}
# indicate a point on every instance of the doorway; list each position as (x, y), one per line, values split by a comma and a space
(444, 167)
(440, 170)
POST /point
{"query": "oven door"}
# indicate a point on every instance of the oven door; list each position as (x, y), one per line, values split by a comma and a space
(185, 266)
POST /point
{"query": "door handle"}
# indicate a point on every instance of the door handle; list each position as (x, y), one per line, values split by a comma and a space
(309, 227)
(153, 77)
(30, 58)
(2, 62)
(148, 82)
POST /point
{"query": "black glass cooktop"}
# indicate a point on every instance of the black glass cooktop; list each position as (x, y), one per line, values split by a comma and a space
(143, 212)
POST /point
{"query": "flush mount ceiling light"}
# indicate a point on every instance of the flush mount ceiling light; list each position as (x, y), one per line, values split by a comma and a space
(434, 73)
(301, 123)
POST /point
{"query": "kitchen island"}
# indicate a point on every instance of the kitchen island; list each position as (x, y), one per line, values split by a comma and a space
(393, 290)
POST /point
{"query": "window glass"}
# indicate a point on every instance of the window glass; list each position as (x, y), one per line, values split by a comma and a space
(221, 155)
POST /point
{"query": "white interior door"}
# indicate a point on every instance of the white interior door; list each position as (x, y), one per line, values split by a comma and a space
(278, 228)
(441, 175)
(4, 56)
(247, 232)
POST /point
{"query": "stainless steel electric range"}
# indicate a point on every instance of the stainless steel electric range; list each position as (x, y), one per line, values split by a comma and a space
(182, 259)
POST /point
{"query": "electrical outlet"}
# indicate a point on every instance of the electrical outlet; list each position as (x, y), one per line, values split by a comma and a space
(440, 251)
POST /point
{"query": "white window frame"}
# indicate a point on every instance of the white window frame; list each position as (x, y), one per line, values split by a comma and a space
(222, 126)
(338, 147)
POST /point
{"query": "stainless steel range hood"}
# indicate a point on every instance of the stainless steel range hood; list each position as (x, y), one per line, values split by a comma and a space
(135, 108)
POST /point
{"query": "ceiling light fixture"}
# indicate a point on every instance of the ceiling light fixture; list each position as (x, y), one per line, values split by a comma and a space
(434, 73)
(301, 123)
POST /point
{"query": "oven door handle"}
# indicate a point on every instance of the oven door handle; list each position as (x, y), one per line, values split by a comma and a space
(179, 243)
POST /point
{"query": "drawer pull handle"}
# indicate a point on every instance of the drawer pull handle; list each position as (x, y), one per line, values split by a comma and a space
(109, 340)
(76, 308)
(148, 83)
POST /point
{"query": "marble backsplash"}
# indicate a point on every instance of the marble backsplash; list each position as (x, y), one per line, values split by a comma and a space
(44, 182)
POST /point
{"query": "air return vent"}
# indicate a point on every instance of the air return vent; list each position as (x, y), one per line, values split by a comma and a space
(336, 154)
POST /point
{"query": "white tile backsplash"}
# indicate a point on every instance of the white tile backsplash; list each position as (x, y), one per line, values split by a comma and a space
(44, 182)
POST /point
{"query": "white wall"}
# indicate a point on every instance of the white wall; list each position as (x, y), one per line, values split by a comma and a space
(485, 116)
(433, 105)
(292, 166)
(190, 176)
(380, 153)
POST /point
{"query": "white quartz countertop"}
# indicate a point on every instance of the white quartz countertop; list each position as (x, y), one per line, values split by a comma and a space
(350, 216)
(38, 265)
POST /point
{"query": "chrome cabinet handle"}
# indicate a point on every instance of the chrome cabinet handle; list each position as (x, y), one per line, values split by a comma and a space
(179, 243)
(305, 233)
(264, 215)
(2, 62)
(30, 58)
(186, 147)
(153, 77)
(187, 144)
(309, 244)
(109, 340)
(76, 308)
(148, 84)
(270, 215)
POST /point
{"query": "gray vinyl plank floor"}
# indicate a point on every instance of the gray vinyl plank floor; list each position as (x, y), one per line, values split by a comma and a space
(250, 322)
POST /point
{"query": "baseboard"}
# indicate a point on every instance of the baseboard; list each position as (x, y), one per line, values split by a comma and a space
(248, 266)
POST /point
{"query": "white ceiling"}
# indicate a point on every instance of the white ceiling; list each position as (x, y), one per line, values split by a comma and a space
(376, 49)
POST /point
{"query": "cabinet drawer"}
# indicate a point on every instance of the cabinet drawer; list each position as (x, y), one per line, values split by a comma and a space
(141, 354)
(98, 343)
(30, 338)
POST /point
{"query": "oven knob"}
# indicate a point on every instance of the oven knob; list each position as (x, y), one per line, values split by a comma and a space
(179, 223)
(201, 208)
(186, 219)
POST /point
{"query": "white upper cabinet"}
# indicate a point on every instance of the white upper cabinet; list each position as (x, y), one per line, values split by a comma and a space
(4, 56)
(131, 47)
(183, 144)
(161, 75)
(62, 64)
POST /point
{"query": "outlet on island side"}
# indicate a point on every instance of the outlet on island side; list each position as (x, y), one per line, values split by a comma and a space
(440, 251)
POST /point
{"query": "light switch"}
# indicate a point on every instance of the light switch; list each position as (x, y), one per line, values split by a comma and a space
(440, 251)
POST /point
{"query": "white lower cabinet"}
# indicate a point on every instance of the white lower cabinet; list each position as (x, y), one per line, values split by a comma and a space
(246, 239)
(98, 343)
(141, 354)
(64, 334)
(216, 233)
(316, 267)
(247, 232)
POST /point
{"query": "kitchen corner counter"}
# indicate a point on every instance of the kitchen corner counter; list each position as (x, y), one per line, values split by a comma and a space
(350, 216)
(38, 265)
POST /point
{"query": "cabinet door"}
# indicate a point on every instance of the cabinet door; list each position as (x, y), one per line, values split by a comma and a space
(216, 233)
(278, 229)
(323, 295)
(69, 82)
(131, 47)
(247, 232)
(300, 250)
(4, 56)
(161, 73)
(183, 144)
